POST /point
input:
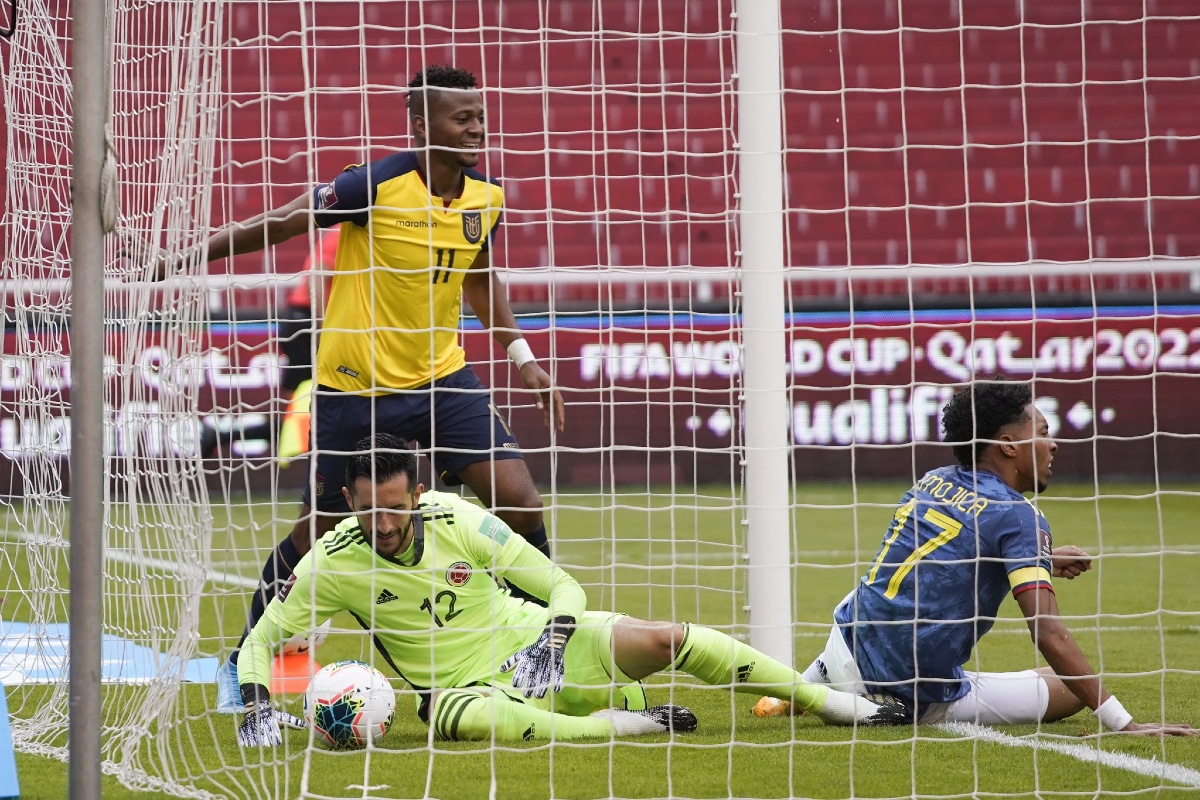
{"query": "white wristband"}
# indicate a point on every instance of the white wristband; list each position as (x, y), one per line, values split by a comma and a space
(520, 352)
(1112, 714)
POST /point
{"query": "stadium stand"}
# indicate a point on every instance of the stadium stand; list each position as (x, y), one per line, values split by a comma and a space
(922, 140)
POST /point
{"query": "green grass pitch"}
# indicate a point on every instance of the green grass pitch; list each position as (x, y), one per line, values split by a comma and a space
(662, 556)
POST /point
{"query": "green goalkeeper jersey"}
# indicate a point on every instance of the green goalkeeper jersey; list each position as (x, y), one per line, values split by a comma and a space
(435, 612)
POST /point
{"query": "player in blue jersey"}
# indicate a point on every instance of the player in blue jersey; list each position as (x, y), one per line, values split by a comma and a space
(961, 540)
(419, 570)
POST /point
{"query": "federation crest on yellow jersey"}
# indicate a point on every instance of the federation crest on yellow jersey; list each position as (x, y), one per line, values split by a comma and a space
(472, 226)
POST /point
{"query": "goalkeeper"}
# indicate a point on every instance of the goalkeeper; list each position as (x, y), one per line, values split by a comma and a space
(961, 540)
(419, 570)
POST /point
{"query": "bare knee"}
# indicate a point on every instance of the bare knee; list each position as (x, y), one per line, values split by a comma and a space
(1062, 702)
(519, 504)
(668, 637)
(643, 648)
(507, 486)
(518, 491)
(522, 520)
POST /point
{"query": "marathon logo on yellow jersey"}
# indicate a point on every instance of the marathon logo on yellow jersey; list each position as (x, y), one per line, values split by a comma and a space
(472, 222)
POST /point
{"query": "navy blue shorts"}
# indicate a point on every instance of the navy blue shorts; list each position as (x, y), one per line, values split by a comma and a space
(453, 420)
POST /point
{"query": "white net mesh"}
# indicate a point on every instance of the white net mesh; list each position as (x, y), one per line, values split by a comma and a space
(970, 188)
(157, 523)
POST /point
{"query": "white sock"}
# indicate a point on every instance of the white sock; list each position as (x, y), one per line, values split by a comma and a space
(816, 673)
(843, 708)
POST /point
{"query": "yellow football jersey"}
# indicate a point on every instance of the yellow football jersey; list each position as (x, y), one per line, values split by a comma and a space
(396, 296)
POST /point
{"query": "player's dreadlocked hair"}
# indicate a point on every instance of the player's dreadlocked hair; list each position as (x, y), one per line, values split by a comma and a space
(381, 457)
(439, 76)
(979, 411)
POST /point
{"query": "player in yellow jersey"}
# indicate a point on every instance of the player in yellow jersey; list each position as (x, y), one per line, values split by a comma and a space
(416, 232)
(418, 570)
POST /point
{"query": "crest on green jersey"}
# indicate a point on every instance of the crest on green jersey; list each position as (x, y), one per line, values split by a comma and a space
(458, 573)
(495, 529)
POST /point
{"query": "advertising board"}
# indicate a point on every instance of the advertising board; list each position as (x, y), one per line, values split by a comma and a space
(659, 398)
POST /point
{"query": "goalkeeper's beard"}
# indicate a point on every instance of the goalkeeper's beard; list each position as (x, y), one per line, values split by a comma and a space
(393, 542)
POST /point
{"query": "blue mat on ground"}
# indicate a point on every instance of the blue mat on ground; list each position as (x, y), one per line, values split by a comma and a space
(8, 763)
(38, 654)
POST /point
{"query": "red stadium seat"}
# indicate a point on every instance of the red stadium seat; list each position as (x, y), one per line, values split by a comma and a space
(876, 119)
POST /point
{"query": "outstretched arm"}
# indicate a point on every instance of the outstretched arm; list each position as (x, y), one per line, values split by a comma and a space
(1062, 653)
(295, 608)
(262, 724)
(258, 233)
(254, 661)
(484, 291)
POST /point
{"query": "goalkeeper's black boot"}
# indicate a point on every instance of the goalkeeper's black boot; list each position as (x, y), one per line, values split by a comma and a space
(675, 719)
(660, 719)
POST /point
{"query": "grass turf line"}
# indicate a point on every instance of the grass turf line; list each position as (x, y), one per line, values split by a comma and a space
(647, 555)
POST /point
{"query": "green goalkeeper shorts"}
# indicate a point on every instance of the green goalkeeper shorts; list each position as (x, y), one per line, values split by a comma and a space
(591, 679)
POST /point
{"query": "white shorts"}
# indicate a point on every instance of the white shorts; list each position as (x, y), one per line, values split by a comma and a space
(993, 698)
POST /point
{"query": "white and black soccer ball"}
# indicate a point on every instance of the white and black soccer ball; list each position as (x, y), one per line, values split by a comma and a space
(349, 704)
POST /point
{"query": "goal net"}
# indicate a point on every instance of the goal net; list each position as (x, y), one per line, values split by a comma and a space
(969, 189)
(157, 519)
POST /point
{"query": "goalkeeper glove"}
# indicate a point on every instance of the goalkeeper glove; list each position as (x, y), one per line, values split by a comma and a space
(539, 666)
(262, 723)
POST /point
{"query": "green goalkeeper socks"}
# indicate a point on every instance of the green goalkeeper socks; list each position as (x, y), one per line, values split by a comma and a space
(465, 715)
(720, 660)
(711, 656)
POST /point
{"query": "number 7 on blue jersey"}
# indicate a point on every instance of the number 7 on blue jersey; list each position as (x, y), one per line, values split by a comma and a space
(948, 528)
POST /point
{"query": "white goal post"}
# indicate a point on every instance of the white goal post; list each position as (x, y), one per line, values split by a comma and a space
(757, 266)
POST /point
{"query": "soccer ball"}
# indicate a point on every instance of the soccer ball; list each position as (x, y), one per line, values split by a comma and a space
(349, 704)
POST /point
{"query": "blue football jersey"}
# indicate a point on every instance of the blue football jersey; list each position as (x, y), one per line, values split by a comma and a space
(959, 542)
